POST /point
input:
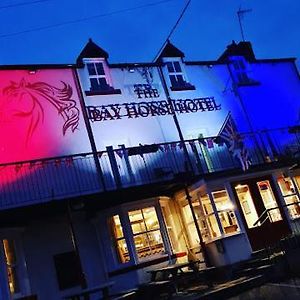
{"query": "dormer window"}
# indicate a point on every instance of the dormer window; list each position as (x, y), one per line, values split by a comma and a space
(99, 81)
(97, 76)
(241, 71)
(177, 78)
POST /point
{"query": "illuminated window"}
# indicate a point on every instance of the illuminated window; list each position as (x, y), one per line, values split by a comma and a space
(247, 204)
(208, 225)
(225, 211)
(11, 263)
(98, 79)
(269, 200)
(146, 232)
(289, 194)
(119, 239)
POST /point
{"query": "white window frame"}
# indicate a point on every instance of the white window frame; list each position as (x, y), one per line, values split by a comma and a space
(176, 73)
(240, 69)
(123, 212)
(97, 76)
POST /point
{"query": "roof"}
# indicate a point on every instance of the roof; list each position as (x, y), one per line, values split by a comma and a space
(240, 49)
(91, 50)
(169, 50)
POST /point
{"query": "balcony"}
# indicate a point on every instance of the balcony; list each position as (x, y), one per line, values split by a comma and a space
(41, 181)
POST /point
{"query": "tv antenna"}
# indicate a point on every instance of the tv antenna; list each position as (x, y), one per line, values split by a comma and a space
(240, 14)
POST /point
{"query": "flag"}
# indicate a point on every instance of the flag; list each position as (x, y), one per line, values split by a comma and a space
(234, 142)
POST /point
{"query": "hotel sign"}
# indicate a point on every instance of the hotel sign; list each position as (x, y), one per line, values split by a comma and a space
(151, 109)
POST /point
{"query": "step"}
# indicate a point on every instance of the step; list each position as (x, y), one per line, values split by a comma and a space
(233, 288)
(259, 270)
(257, 262)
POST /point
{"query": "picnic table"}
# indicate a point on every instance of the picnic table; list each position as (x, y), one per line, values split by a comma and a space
(85, 293)
(172, 272)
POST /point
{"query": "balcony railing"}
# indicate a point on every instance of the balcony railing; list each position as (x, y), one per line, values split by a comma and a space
(37, 181)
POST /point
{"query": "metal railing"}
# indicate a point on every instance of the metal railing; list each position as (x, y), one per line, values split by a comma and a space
(37, 181)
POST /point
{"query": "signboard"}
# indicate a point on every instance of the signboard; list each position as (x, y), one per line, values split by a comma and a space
(152, 108)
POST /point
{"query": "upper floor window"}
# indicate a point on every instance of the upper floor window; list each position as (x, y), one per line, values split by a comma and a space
(241, 71)
(97, 76)
(177, 77)
(99, 79)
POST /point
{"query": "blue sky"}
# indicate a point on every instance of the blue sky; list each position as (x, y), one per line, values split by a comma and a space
(136, 35)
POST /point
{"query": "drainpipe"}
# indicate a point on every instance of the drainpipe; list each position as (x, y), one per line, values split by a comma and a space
(188, 166)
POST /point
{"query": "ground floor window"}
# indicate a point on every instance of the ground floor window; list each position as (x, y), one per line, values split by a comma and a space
(11, 264)
(225, 210)
(288, 191)
(146, 232)
(119, 241)
(143, 232)
(207, 216)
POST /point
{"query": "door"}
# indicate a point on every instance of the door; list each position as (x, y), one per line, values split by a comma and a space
(254, 197)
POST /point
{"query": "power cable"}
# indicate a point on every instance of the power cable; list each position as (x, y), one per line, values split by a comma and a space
(84, 19)
(173, 29)
(23, 4)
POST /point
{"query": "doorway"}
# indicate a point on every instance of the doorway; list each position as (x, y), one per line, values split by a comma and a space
(261, 211)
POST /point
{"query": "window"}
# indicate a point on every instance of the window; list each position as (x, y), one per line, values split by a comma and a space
(241, 70)
(207, 223)
(97, 76)
(269, 200)
(247, 204)
(119, 241)
(11, 263)
(143, 232)
(225, 211)
(146, 232)
(177, 78)
(291, 199)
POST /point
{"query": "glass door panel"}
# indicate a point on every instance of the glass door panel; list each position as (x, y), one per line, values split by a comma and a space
(269, 200)
(247, 205)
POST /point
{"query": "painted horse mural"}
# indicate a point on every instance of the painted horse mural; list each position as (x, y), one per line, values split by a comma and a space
(27, 100)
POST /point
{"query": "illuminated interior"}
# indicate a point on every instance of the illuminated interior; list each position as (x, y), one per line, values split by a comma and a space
(247, 205)
(11, 264)
(225, 210)
(146, 232)
(288, 191)
(269, 200)
(207, 219)
(119, 240)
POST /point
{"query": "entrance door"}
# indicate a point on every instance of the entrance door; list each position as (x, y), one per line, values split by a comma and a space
(254, 197)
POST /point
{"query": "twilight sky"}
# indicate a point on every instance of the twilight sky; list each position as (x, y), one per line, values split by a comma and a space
(50, 31)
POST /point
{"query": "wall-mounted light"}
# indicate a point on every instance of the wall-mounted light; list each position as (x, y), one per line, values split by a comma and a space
(32, 71)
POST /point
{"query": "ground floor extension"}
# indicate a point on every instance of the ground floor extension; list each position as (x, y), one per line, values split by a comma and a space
(218, 221)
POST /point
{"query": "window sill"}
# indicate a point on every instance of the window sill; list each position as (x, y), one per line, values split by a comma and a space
(183, 88)
(104, 92)
(249, 83)
(223, 236)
